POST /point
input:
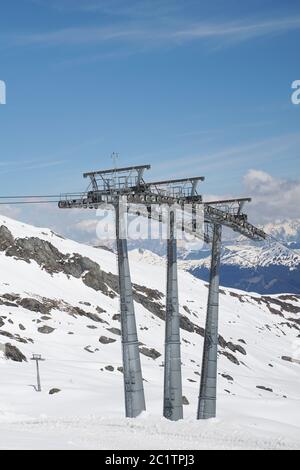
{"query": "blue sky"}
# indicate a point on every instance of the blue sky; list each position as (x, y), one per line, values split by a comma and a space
(190, 87)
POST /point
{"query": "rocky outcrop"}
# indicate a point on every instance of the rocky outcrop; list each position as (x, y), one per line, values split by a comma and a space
(290, 359)
(6, 238)
(13, 353)
(44, 306)
(227, 377)
(15, 337)
(40, 251)
(231, 357)
(114, 331)
(266, 389)
(46, 330)
(150, 352)
(236, 347)
(35, 306)
(100, 281)
(53, 261)
(7, 304)
(82, 313)
(53, 391)
(279, 302)
(106, 340)
(185, 400)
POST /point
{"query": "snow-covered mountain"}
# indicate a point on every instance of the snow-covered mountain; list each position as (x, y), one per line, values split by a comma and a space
(285, 230)
(270, 267)
(266, 268)
(59, 298)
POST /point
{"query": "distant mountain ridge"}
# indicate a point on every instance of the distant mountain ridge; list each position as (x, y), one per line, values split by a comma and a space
(270, 267)
(287, 230)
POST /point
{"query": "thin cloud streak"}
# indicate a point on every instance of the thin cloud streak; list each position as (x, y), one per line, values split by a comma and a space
(149, 34)
(41, 165)
(239, 30)
(254, 152)
(223, 130)
(33, 165)
(117, 8)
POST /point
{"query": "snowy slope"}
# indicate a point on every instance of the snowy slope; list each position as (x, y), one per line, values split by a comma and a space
(54, 302)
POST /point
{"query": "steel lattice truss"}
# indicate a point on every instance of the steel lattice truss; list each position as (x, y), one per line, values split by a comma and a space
(108, 186)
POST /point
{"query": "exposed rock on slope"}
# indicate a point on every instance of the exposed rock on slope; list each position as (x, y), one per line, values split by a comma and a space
(65, 296)
(13, 353)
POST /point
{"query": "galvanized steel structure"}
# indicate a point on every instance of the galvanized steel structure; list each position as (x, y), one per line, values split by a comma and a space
(122, 186)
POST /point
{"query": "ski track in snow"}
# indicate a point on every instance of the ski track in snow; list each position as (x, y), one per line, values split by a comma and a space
(143, 433)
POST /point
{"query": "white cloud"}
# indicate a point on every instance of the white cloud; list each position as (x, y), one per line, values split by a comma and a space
(87, 226)
(272, 198)
(260, 182)
(10, 211)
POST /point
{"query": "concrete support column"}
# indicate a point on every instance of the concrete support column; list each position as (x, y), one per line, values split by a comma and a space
(208, 385)
(132, 372)
(173, 408)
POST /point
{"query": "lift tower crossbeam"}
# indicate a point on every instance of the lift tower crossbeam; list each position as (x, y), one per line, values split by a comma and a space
(229, 213)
